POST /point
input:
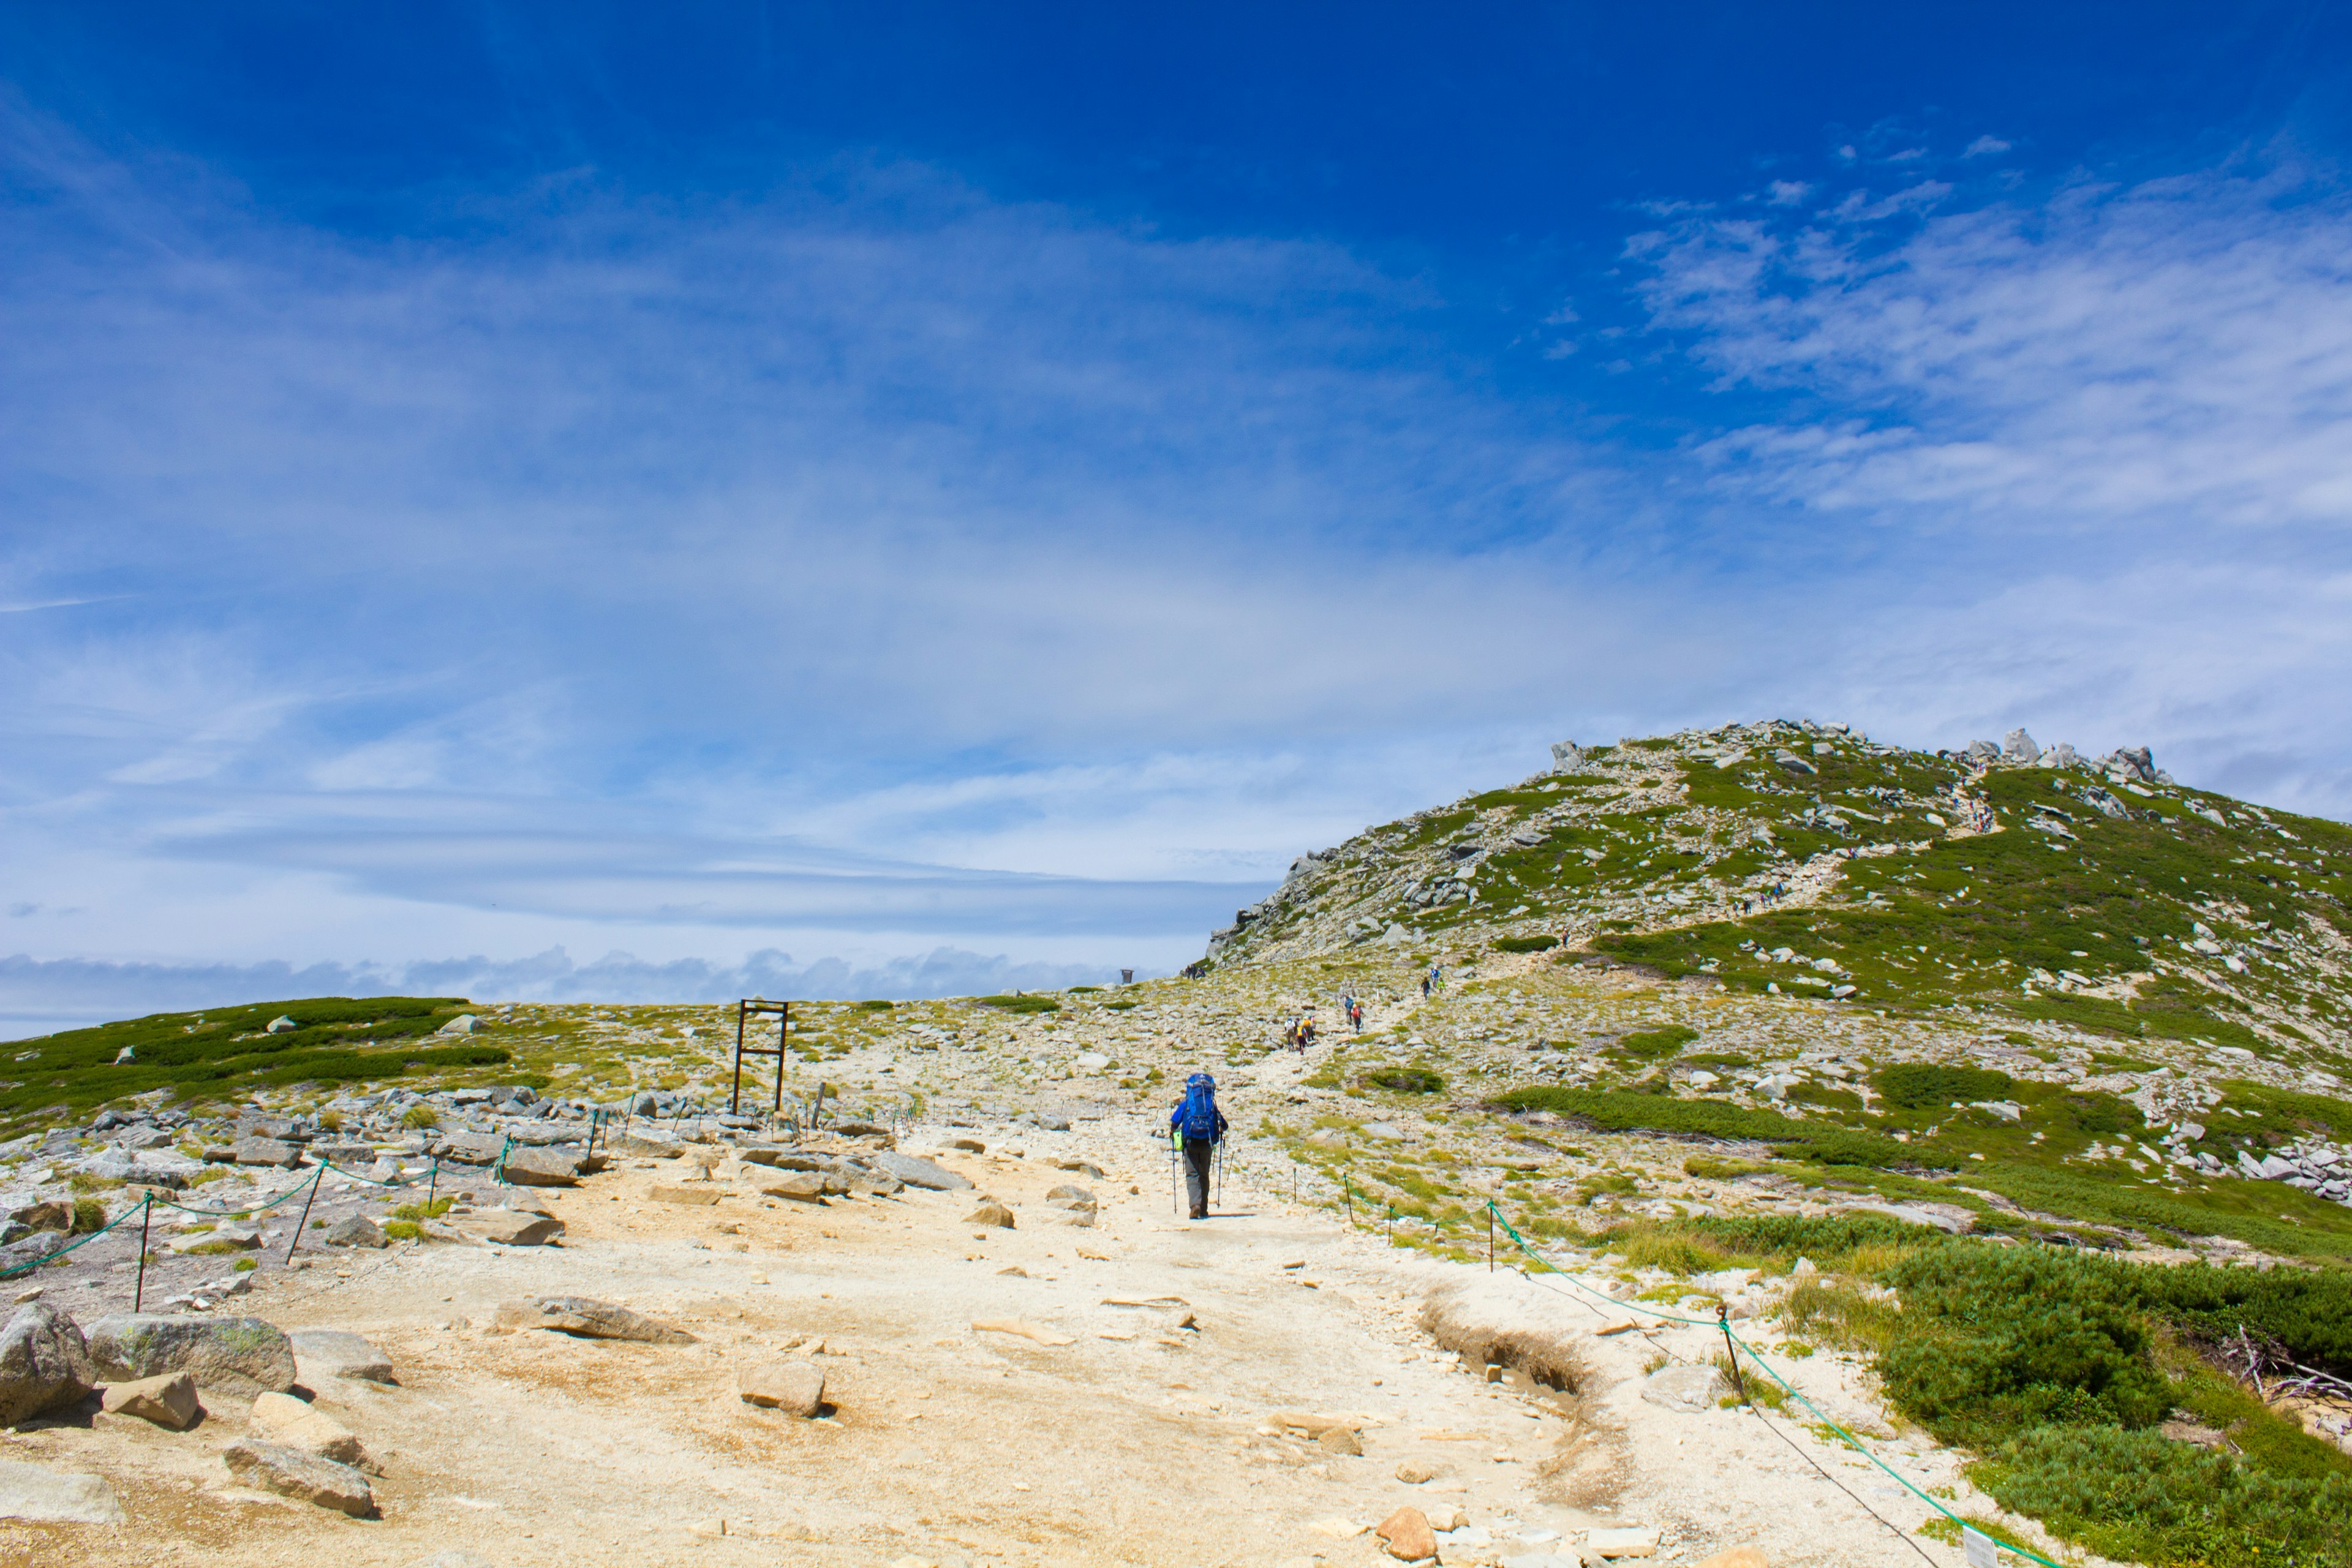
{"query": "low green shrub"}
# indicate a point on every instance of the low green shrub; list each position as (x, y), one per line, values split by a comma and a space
(1649, 1045)
(401, 1230)
(1406, 1080)
(1021, 1004)
(2137, 1497)
(1922, 1086)
(1525, 943)
(420, 1117)
(88, 1215)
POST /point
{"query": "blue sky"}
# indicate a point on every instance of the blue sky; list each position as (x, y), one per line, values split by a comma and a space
(575, 500)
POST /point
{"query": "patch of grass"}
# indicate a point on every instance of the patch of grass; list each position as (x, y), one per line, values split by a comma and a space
(88, 1215)
(403, 1229)
(1021, 1004)
(1650, 1045)
(420, 1117)
(874, 1006)
(413, 1212)
(1615, 1111)
(1406, 1080)
(245, 1266)
(1525, 943)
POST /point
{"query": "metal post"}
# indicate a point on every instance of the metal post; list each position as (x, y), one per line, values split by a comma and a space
(1730, 1352)
(295, 1239)
(742, 1011)
(431, 1183)
(138, 1292)
(1490, 1235)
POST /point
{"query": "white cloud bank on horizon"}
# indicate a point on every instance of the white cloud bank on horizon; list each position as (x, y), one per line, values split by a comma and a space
(880, 563)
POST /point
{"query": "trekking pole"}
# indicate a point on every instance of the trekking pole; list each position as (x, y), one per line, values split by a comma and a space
(139, 1291)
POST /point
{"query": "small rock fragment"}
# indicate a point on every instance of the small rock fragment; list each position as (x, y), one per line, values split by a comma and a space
(1024, 1330)
(796, 1387)
(1406, 1535)
(284, 1419)
(709, 1194)
(585, 1317)
(993, 1214)
(1738, 1557)
(169, 1400)
(1413, 1474)
(1632, 1541)
(510, 1228)
(355, 1230)
(800, 1187)
(1340, 1440)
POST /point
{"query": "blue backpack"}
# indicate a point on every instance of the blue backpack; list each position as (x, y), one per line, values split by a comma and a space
(1197, 1117)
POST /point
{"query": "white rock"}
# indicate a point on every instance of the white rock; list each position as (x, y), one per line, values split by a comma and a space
(30, 1492)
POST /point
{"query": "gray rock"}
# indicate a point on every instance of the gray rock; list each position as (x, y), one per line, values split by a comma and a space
(267, 1151)
(992, 1214)
(2275, 1167)
(800, 1186)
(45, 1496)
(919, 1172)
(229, 1235)
(24, 1253)
(243, 1356)
(355, 1230)
(1068, 1192)
(322, 1354)
(1690, 1389)
(44, 1362)
(1566, 756)
(472, 1148)
(797, 1387)
(2017, 746)
(463, 1023)
(509, 1227)
(550, 1167)
(280, 1025)
(290, 1472)
(585, 1317)
(169, 1401)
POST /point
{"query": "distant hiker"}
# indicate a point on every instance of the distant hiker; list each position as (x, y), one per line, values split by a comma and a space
(1196, 1127)
(1356, 1015)
(1424, 987)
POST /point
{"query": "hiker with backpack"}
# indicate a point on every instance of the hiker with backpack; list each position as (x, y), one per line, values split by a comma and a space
(1196, 1127)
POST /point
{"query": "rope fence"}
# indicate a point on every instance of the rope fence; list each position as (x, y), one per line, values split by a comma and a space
(1980, 1547)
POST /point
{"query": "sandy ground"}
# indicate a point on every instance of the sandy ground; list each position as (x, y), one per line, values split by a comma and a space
(1147, 1439)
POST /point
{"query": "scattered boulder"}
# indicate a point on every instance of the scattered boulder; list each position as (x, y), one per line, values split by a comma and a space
(991, 1213)
(1406, 1535)
(46, 1215)
(512, 1228)
(322, 1353)
(241, 1357)
(45, 1496)
(282, 1419)
(1340, 1440)
(228, 1235)
(1690, 1389)
(551, 1166)
(801, 1186)
(355, 1230)
(472, 1148)
(689, 1196)
(44, 1362)
(585, 1317)
(1629, 1541)
(919, 1172)
(1066, 1193)
(797, 1387)
(290, 1472)
(970, 1145)
(280, 1025)
(1413, 1473)
(1738, 1557)
(22, 1254)
(253, 1151)
(168, 1401)
(1080, 1166)
(463, 1023)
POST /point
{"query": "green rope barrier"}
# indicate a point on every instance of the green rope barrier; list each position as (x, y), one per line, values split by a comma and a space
(1852, 1441)
(49, 1258)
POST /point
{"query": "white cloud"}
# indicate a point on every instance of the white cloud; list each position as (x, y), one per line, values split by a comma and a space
(1787, 193)
(1986, 147)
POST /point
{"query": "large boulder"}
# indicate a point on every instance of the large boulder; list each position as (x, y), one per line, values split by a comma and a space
(240, 1356)
(355, 1230)
(916, 1171)
(585, 1317)
(472, 1148)
(322, 1353)
(290, 1472)
(44, 1362)
(267, 1151)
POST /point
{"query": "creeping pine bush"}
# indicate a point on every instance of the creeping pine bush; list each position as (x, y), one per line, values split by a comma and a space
(1997, 1339)
(2138, 1496)
(1917, 1086)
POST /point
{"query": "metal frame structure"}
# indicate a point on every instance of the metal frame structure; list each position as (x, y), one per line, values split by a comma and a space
(745, 1010)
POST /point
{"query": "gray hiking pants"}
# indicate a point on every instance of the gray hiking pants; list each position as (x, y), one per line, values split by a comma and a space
(1197, 1157)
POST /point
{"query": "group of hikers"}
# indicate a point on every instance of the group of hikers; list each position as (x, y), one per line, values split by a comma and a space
(1300, 1032)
